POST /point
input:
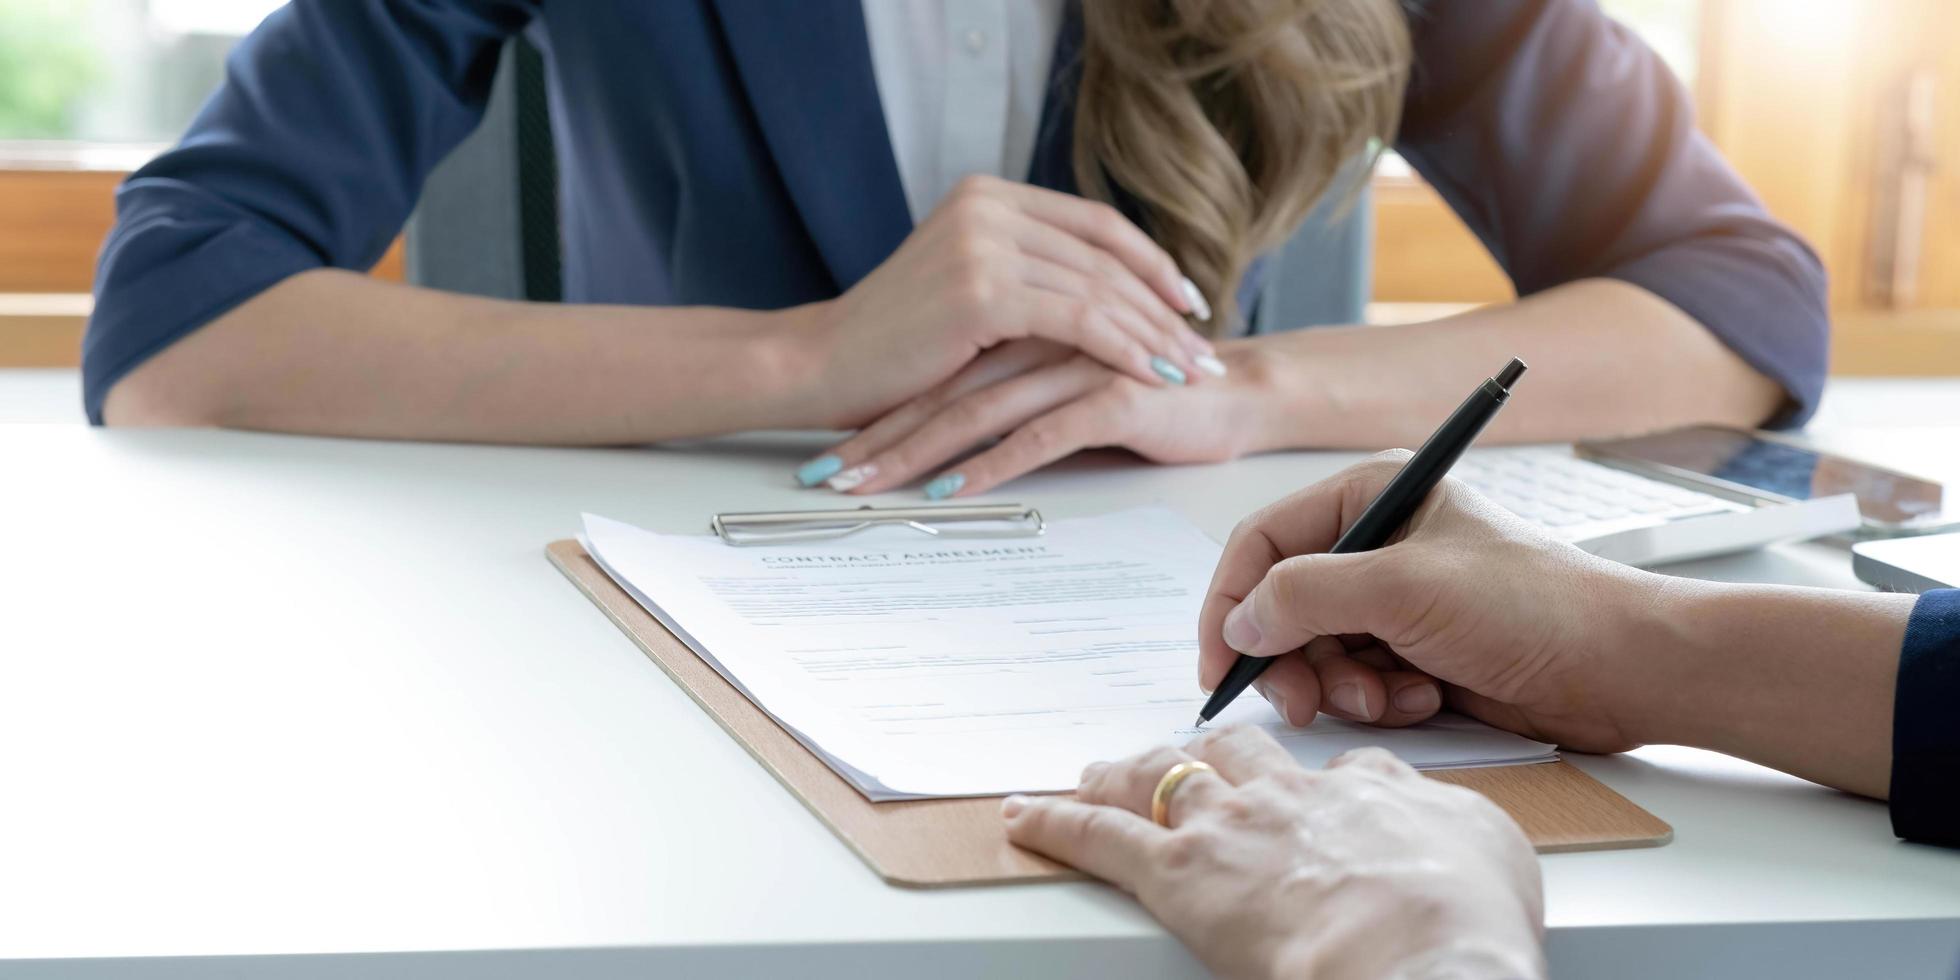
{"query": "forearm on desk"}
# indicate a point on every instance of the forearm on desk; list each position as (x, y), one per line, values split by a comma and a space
(335, 353)
(1607, 358)
(1800, 680)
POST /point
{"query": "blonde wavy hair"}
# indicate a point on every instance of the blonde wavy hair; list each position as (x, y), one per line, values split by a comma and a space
(1228, 120)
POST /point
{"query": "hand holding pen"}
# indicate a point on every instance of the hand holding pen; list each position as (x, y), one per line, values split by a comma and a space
(1384, 515)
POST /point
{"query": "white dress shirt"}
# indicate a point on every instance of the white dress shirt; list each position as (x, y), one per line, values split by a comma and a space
(962, 84)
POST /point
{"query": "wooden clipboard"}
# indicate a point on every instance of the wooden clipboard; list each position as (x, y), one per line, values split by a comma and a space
(943, 843)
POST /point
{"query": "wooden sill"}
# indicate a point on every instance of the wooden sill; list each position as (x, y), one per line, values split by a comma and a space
(1912, 343)
(64, 155)
(1424, 253)
(42, 329)
(55, 221)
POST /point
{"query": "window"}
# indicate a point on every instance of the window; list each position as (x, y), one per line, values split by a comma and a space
(119, 77)
(90, 90)
(1671, 27)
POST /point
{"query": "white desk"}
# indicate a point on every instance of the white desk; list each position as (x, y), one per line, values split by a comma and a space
(308, 699)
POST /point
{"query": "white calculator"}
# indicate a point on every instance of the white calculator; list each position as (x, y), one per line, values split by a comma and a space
(1636, 519)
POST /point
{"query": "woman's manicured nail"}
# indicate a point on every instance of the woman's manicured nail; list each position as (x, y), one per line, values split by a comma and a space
(1166, 370)
(1199, 308)
(1418, 699)
(1242, 633)
(852, 478)
(1210, 365)
(945, 486)
(1351, 699)
(1013, 805)
(818, 470)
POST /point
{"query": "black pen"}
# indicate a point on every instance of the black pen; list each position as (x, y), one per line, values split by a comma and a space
(1392, 507)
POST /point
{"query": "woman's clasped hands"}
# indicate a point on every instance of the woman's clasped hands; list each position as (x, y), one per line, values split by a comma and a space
(1052, 323)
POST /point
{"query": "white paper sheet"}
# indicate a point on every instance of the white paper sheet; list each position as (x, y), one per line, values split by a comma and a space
(919, 667)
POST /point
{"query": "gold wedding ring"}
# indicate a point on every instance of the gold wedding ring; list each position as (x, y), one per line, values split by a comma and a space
(1160, 801)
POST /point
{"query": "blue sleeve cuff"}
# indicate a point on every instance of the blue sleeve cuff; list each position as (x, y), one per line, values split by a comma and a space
(310, 154)
(182, 262)
(1926, 724)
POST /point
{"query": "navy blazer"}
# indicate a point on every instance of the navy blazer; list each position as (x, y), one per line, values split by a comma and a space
(1925, 789)
(734, 153)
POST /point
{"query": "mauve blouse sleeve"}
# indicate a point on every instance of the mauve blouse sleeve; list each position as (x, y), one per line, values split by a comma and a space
(1570, 150)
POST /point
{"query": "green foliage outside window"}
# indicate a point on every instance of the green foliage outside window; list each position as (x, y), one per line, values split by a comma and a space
(47, 67)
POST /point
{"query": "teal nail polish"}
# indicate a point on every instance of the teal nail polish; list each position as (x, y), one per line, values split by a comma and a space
(818, 470)
(1166, 370)
(945, 486)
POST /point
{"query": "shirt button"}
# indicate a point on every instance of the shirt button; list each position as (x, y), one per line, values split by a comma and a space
(976, 41)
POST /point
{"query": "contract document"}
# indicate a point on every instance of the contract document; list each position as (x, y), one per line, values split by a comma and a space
(924, 667)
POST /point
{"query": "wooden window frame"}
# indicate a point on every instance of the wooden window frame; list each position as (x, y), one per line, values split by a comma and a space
(57, 203)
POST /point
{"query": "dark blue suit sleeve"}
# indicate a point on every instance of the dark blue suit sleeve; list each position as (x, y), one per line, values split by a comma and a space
(311, 154)
(1570, 150)
(1926, 724)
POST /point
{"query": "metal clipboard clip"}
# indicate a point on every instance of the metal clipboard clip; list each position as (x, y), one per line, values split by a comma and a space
(786, 526)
